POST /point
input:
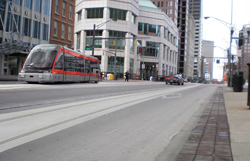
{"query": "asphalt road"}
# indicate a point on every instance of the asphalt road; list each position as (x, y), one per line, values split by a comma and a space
(94, 122)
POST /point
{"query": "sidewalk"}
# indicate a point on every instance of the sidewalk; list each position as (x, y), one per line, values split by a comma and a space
(222, 131)
(8, 77)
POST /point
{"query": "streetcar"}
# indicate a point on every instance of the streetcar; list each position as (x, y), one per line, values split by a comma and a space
(51, 63)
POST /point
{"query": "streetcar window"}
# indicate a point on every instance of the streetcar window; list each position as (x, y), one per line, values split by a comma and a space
(94, 67)
(69, 62)
(87, 66)
(59, 62)
(40, 58)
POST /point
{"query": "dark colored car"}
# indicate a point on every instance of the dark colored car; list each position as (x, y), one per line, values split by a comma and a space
(175, 78)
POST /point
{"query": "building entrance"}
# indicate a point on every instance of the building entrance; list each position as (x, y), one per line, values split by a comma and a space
(150, 70)
(13, 64)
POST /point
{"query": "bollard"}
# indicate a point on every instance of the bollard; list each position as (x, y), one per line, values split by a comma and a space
(248, 96)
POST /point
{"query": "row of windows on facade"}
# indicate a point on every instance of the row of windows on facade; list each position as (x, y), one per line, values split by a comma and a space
(154, 30)
(37, 5)
(115, 14)
(64, 8)
(13, 24)
(121, 15)
(63, 28)
(152, 47)
(161, 4)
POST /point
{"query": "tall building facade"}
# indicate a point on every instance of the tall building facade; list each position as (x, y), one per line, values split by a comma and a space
(196, 9)
(244, 49)
(62, 22)
(183, 30)
(208, 54)
(178, 9)
(189, 67)
(170, 7)
(23, 24)
(135, 20)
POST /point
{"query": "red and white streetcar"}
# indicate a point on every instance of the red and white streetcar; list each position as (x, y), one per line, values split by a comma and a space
(50, 63)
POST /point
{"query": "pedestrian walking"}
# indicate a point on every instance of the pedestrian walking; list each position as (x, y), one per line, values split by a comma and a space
(101, 76)
(127, 76)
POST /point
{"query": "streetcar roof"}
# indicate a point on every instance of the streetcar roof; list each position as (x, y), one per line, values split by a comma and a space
(60, 46)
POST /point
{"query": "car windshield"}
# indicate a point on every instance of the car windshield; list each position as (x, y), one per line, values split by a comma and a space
(41, 58)
(178, 76)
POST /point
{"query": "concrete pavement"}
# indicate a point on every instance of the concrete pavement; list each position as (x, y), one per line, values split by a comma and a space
(222, 132)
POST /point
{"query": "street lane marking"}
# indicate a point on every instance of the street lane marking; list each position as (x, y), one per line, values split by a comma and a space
(170, 96)
(30, 125)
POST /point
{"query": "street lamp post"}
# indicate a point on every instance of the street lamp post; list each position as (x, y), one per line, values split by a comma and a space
(94, 28)
(229, 25)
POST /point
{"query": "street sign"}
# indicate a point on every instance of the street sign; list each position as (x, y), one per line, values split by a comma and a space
(88, 48)
(143, 66)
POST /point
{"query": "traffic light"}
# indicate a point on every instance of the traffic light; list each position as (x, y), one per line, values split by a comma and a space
(135, 42)
(102, 53)
(140, 50)
(200, 59)
(114, 43)
(218, 61)
(109, 55)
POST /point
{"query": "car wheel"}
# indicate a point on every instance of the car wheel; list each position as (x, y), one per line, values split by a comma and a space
(166, 82)
(178, 83)
(170, 83)
(182, 83)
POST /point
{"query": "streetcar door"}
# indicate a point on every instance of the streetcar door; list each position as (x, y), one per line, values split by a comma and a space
(87, 69)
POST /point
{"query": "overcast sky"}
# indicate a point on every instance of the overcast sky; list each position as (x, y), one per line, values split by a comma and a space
(214, 30)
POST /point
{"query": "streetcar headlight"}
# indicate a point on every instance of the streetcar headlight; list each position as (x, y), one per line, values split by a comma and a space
(22, 71)
(46, 71)
(21, 75)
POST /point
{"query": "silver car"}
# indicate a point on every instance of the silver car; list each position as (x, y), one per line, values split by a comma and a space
(175, 78)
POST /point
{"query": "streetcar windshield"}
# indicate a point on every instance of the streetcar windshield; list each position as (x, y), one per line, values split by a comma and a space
(41, 58)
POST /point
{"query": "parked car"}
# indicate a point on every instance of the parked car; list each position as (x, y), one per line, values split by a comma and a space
(185, 80)
(175, 78)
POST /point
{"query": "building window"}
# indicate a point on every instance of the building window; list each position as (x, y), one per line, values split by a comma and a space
(45, 32)
(89, 39)
(56, 6)
(63, 8)
(79, 15)
(37, 6)
(36, 29)
(166, 11)
(133, 18)
(149, 29)
(158, 4)
(78, 35)
(119, 44)
(63, 31)
(69, 33)
(46, 7)
(162, 4)
(28, 4)
(18, 2)
(152, 49)
(26, 26)
(118, 14)
(166, 3)
(17, 26)
(70, 11)
(95, 13)
(55, 27)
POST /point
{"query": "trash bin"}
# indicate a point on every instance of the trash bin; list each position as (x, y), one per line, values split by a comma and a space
(237, 83)
(111, 76)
